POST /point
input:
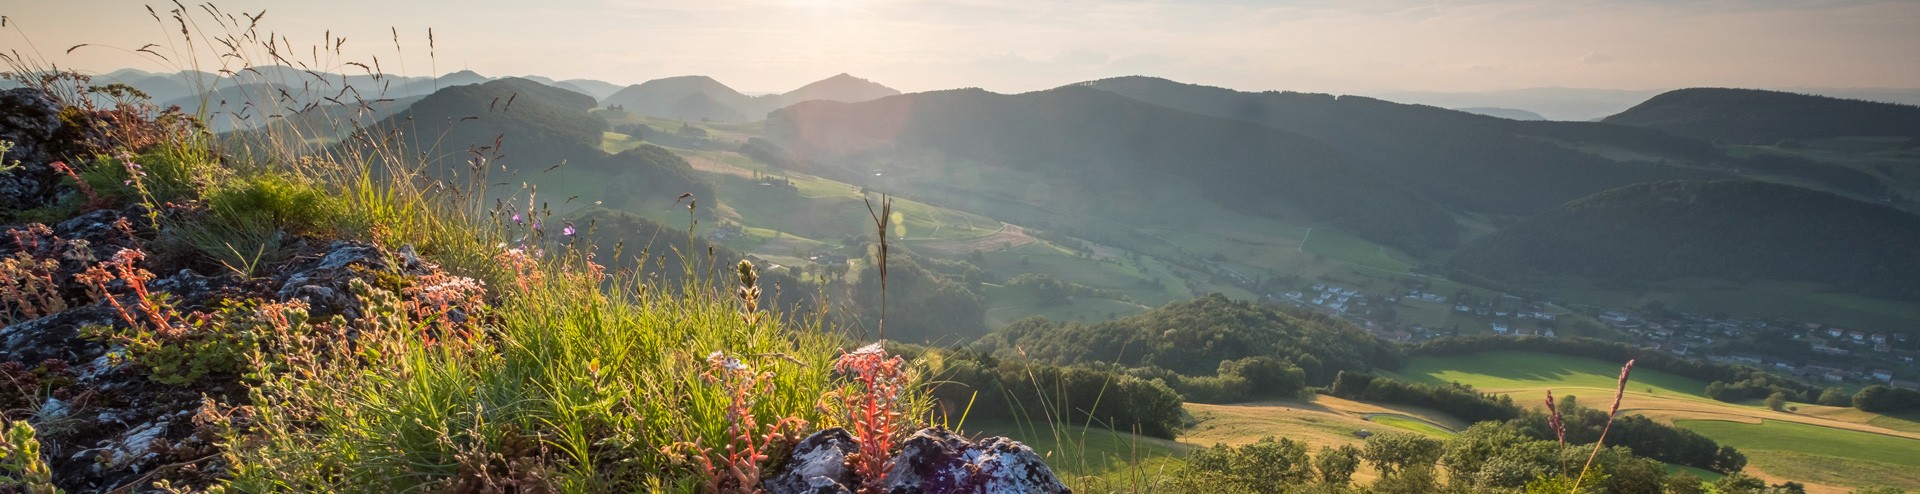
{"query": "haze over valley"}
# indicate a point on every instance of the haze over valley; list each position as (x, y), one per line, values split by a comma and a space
(1239, 233)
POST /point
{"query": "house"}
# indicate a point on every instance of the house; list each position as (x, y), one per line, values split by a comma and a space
(1879, 339)
(1856, 336)
(1500, 328)
(1836, 332)
(1882, 375)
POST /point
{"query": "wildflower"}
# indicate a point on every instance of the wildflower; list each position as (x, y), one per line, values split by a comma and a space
(720, 359)
(568, 231)
(516, 218)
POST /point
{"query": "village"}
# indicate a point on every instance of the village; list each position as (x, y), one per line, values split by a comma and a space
(1811, 351)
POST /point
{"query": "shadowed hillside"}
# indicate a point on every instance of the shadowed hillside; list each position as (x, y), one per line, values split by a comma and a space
(1737, 230)
(1094, 151)
(1472, 162)
(1752, 116)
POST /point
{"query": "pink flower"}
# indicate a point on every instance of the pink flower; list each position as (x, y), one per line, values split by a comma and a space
(568, 230)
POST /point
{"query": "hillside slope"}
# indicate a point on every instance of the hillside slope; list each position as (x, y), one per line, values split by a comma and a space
(1466, 161)
(1093, 151)
(1194, 337)
(1737, 230)
(842, 87)
(1752, 116)
(539, 134)
(694, 97)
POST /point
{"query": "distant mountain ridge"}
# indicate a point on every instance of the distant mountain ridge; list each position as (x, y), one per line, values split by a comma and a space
(699, 97)
(1506, 113)
(1753, 116)
(843, 88)
(1469, 162)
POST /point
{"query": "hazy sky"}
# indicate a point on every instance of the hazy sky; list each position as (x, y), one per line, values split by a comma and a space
(1019, 45)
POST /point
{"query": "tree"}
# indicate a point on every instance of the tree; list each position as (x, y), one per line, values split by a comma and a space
(1683, 483)
(1394, 451)
(1415, 479)
(1739, 483)
(1882, 398)
(1337, 465)
(1835, 397)
(1728, 460)
(1777, 401)
(1274, 462)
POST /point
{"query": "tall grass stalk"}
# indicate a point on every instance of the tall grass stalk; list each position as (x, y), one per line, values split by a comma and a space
(580, 377)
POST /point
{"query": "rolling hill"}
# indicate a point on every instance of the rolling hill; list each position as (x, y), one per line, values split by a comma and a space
(597, 89)
(694, 97)
(1752, 116)
(1469, 162)
(1734, 230)
(843, 88)
(541, 134)
(1082, 150)
(701, 98)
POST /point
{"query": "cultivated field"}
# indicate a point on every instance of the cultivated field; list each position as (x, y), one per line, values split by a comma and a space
(1780, 445)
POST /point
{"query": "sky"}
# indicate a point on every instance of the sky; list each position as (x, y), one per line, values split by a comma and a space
(1337, 46)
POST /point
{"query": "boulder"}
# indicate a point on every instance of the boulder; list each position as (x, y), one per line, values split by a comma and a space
(818, 465)
(323, 281)
(934, 460)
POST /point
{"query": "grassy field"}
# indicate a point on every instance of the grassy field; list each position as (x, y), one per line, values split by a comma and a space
(1817, 454)
(1812, 446)
(1775, 435)
(1090, 459)
(1513, 371)
(1412, 424)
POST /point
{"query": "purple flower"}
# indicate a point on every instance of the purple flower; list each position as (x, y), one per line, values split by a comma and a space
(568, 230)
(516, 217)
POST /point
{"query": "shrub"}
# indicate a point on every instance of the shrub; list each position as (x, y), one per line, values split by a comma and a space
(21, 465)
(1880, 398)
(1268, 465)
(247, 220)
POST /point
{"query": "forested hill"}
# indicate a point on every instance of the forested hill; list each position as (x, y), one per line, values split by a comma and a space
(1752, 116)
(842, 87)
(1467, 161)
(1194, 337)
(526, 130)
(1737, 230)
(694, 97)
(1093, 149)
(537, 125)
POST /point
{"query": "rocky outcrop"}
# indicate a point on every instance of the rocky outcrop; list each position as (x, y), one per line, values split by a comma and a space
(818, 465)
(322, 281)
(932, 461)
(28, 119)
